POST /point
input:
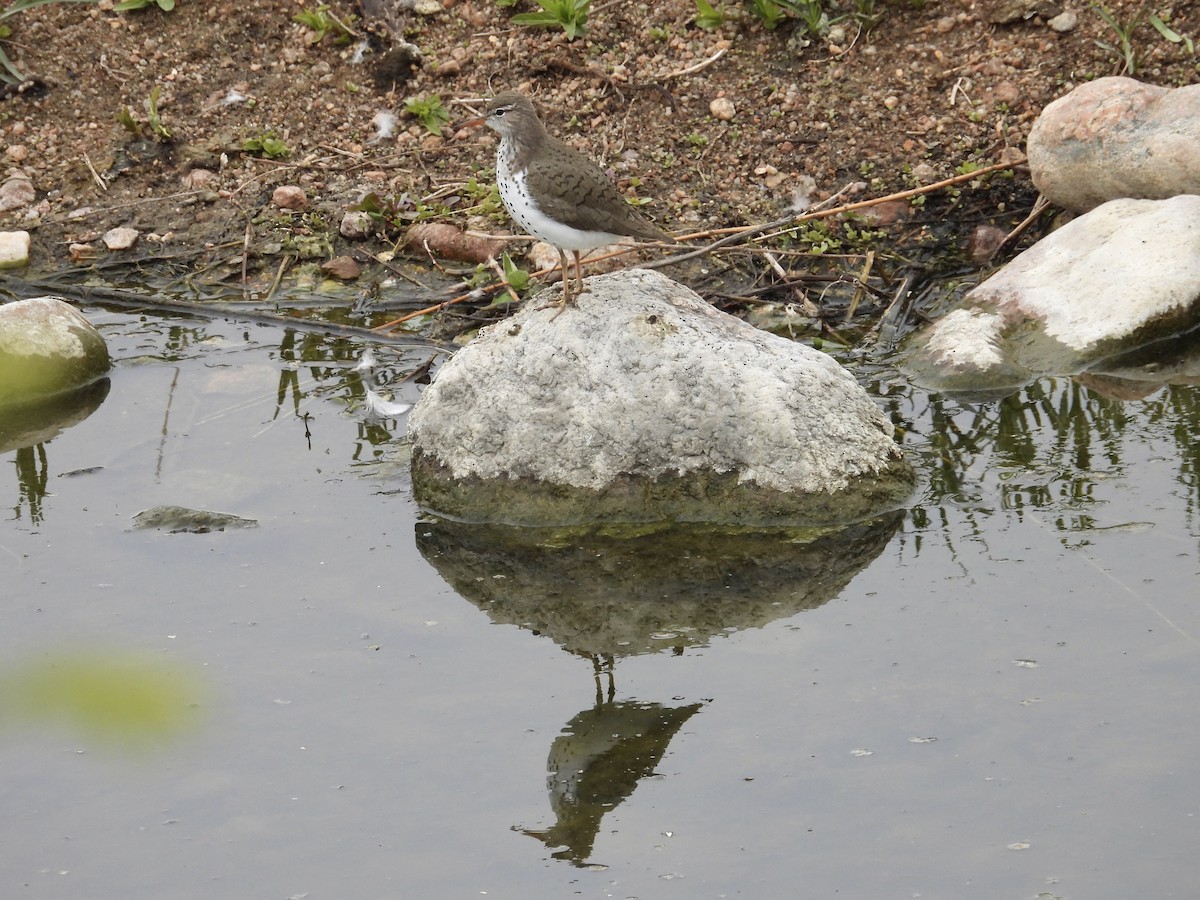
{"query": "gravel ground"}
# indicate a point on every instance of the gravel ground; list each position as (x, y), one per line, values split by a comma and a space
(710, 128)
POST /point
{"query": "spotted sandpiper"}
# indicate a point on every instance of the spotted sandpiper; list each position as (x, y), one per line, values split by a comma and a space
(554, 192)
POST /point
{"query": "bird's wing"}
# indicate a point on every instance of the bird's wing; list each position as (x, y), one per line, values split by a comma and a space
(600, 206)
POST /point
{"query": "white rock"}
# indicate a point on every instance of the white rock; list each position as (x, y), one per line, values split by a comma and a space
(120, 238)
(14, 249)
(1116, 137)
(640, 387)
(47, 347)
(1106, 283)
(722, 109)
(1065, 21)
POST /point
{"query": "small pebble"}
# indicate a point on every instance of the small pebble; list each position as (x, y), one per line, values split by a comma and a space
(198, 179)
(1064, 22)
(356, 225)
(81, 253)
(343, 267)
(721, 109)
(924, 173)
(289, 196)
(16, 192)
(983, 243)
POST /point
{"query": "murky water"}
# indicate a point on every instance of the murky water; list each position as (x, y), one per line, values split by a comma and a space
(994, 697)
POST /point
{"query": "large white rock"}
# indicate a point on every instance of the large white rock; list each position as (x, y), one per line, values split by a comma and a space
(1115, 279)
(642, 402)
(1117, 137)
(47, 347)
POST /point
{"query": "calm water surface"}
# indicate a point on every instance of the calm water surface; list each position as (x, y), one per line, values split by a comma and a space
(997, 702)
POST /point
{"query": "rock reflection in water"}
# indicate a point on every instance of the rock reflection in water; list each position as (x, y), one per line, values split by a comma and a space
(28, 428)
(31, 424)
(607, 593)
(614, 592)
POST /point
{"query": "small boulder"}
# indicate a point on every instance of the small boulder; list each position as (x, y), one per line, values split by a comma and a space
(1118, 278)
(47, 347)
(643, 403)
(14, 249)
(1117, 137)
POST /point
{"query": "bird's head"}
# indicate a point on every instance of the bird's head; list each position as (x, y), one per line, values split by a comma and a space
(508, 113)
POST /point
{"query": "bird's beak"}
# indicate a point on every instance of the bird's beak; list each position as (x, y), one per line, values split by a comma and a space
(471, 123)
(477, 120)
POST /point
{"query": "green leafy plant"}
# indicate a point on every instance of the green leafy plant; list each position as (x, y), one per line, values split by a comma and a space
(866, 13)
(322, 22)
(128, 122)
(768, 12)
(570, 15)
(394, 212)
(484, 196)
(708, 17)
(428, 111)
(266, 144)
(812, 16)
(810, 13)
(818, 238)
(1171, 34)
(154, 120)
(1124, 48)
(157, 125)
(517, 278)
(128, 5)
(1123, 29)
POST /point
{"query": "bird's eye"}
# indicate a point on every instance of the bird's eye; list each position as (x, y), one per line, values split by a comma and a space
(498, 113)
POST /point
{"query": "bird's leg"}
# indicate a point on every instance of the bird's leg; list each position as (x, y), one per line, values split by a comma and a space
(565, 280)
(578, 272)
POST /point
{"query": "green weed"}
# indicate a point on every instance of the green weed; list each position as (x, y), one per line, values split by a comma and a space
(708, 17)
(570, 15)
(322, 22)
(429, 112)
(268, 145)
